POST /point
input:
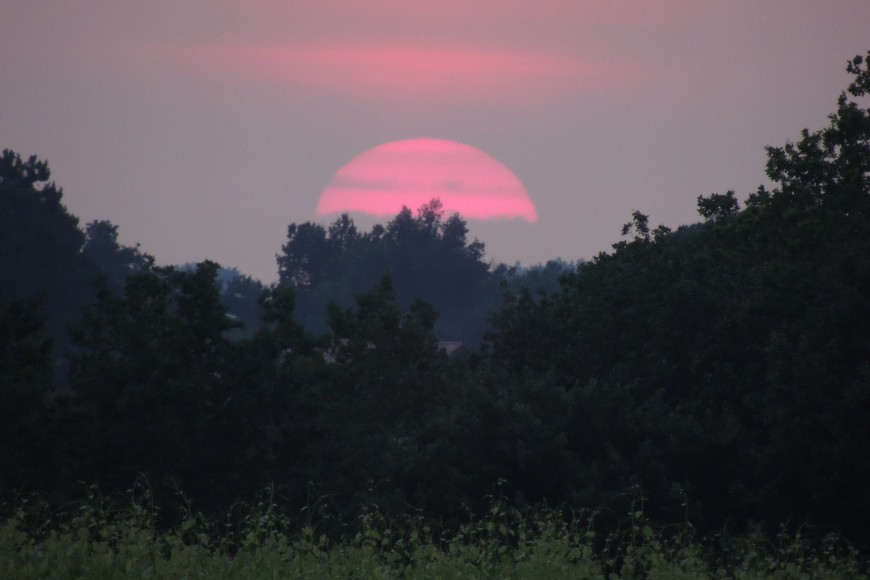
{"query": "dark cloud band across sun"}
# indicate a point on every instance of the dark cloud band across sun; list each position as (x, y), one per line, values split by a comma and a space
(412, 172)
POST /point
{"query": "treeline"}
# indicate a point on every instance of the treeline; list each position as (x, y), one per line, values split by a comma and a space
(427, 257)
(719, 371)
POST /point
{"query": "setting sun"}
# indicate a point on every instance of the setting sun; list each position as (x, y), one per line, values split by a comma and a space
(413, 171)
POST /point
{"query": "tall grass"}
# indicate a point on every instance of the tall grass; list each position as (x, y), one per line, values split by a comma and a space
(101, 538)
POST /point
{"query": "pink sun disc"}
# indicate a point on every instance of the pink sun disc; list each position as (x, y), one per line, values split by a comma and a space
(412, 172)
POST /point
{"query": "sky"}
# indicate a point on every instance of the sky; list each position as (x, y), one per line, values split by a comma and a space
(202, 129)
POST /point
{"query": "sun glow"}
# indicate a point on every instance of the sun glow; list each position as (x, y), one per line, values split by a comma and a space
(412, 172)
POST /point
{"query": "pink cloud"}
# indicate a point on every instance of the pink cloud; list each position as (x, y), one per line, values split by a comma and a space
(398, 72)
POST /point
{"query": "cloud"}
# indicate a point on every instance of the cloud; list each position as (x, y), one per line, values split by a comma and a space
(452, 185)
(344, 180)
(393, 71)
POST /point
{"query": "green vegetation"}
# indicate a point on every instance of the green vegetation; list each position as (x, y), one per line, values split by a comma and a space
(106, 539)
(716, 375)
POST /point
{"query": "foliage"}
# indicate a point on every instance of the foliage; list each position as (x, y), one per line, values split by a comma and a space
(726, 361)
(100, 540)
(241, 297)
(114, 261)
(40, 243)
(718, 206)
(146, 376)
(539, 278)
(427, 257)
(43, 253)
(25, 382)
(719, 372)
(161, 388)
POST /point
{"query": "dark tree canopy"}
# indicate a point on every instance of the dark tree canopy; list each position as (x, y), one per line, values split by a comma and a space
(728, 360)
(44, 254)
(717, 374)
(113, 260)
(40, 244)
(426, 256)
(25, 381)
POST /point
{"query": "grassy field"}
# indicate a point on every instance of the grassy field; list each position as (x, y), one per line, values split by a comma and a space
(101, 539)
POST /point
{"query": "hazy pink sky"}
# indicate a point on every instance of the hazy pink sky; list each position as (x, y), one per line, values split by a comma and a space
(203, 128)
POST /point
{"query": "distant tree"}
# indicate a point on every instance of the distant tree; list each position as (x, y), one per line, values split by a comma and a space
(241, 297)
(426, 256)
(537, 278)
(113, 260)
(26, 174)
(305, 255)
(40, 244)
(829, 166)
(342, 234)
(718, 206)
(39, 240)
